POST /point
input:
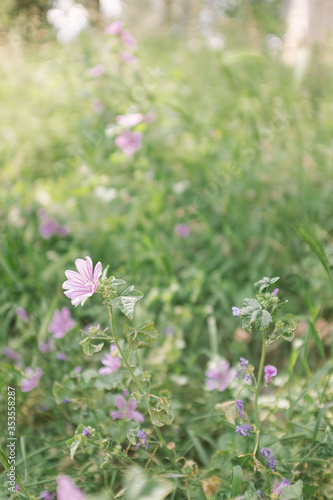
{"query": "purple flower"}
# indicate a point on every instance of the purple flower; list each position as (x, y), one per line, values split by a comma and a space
(65, 400)
(11, 354)
(61, 323)
(128, 39)
(219, 378)
(260, 494)
(86, 433)
(67, 489)
(182, 230)
(83, 284)
(270, 372)
(114, 28)
(127, 410)
(111, 362)
(169, 330)
(240, 408)
(48, 228)
(128, 58)
(97, 71)
(46, 346)
(22, 314)
(62, 356)
(130, 120)
(236, 311)
(32, 379)
(129, 142)
(78, 369)
(277, 488)
(143, 439)
(268, 458)
(275, 292)
(244, 371)
(46, 495)
(243, 430)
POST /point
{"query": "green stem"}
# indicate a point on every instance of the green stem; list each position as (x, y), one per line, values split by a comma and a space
(4, 462)
(141, 389)
(261, 369)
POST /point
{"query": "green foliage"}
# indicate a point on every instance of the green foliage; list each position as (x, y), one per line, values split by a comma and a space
(126, 301)
(142, 336)
(293, 492)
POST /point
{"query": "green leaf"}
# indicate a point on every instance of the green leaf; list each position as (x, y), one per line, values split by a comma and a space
(88, 348)
(237, 479)
(116, 282)
(141, 487)
(319, 418)
(264, 283)
(251, 493)
(142, 336)
(126, 301)
(252, 313)
(73, 444)
(263, 320)
(308, 234)
(287, 328)
(161, 414)
(293, 492)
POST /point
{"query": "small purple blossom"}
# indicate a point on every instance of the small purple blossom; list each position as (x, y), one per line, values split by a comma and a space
(268, 458)
(130, 120)
(32, 379)
(46, 495)
(143, 439)
(126, 393)
(65, 400)
(275, 292)
(270, 372)
(243, 430)
(240, 408)
(219, 378)
(48, 228)
(182, 230)
(244, 371)
(129, 142)
(67, 489)
(83, 284)
(169, 330)
(260, 495)
(111, 362)
(114, 28)
(236, 311)
(97, 71)
(22, 314)
(277, 488)
(62, 356)
(78, 369)
(86, 433)
(11, 354)
(46, 346)
(61, 323)
(127, 409)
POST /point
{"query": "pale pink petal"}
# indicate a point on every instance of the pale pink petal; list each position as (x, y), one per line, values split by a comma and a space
(211, 384)
(132, 404)
(116, 414)
(135, 415)
(105, 370)
(85, 268)
(120, 402)
(97, 272)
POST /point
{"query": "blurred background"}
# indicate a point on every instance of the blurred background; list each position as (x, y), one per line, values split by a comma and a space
(182, 142)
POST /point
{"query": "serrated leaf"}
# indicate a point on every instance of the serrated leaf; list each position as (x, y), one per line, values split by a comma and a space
(116, 282)
(249, 312)
(127, 300)
(141, 337)
(265, 283)
(161, 414)
(88, 348)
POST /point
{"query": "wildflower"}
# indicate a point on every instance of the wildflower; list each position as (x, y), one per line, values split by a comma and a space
(129, 142)
(114, 28)
(270, 372)
(260, 494)
(240, 408)
(67, 489)
(111, 362)
(268, 457)
(245, 371)
(46, 346)
(143, 439)
(48, 228)
(127, 410)
(11, 354)
(32, 379)
(243, 430)
(275, 292)
(130, 120)
(46, 495)
(236, 311)
(61, 323)
(219, 378)
(128, 39)
(182, 230)
(277, 488)
(83, 284)
(22, 314)
(78, 369)
(86, 433)
(62, 356)
(128, 58)
(65, 400)
(97, 71)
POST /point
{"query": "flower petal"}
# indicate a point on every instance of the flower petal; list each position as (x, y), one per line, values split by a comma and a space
(120, 402)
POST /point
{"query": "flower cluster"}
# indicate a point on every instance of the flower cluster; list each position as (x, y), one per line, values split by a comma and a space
(268, 457)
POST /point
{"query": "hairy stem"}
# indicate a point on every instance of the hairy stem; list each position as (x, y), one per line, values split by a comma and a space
(261, 369)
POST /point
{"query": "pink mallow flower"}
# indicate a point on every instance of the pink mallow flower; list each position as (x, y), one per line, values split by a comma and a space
(128, 40)
(130, 120)
(50, 227)
(46, 346)
(46, 495)
(219, 378)
(128, 57)
(11, 354)
(111, 361)
(270, 372)
(32, 380)
(61, 323)
(22, 314)
(127, 410)
(129, 142)
(67, 489)
(114, 28)
(97, 71)
(83, 284)
(182, 230)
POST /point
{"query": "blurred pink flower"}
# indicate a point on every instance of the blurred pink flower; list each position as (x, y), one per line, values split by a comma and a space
(111, 361)
(128, 39)
(219, 378)
(83, 284)
(48, 228)
(32, 379)
(127, 410)
(46, 495)
(62, 356)
(46, 346)
(22, 314)
(97, 106)
(114, 28)
(97, 71)
(61, 323)
(128, 57)
(182, 230)
(67, 489)
(130, 120)
(11, 354)
(129, 142)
